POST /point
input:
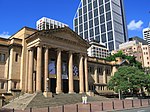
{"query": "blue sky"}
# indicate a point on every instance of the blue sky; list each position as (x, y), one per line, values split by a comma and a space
(16, 14)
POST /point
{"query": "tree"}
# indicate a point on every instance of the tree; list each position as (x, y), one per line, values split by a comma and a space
(129, 79)
(132, 59)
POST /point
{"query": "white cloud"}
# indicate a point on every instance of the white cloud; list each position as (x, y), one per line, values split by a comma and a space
(135, 25)
(5, 35)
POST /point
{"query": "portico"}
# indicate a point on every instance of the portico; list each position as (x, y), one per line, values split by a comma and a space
(56, 56)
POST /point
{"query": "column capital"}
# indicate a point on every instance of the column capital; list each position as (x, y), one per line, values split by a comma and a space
(30, 48)
(47, 46)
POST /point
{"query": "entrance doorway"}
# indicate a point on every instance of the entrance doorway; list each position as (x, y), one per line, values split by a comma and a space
(65, 86)
(53, 85)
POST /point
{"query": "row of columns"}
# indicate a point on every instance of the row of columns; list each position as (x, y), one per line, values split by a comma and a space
(59, 72)
(96, 75)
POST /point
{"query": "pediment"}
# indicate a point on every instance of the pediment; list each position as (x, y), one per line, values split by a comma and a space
(68, 34)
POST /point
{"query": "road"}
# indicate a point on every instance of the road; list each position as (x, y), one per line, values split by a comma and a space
(144, 109)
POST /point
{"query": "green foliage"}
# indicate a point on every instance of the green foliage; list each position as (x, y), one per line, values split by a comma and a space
(129, 78)
(132, 60)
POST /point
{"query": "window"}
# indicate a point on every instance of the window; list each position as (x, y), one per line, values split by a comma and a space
(2, 57)
(80, 20)
(95, 12)
(90, 7)
(101, 9)
(91, 33)
(15, 85)
(90, 15)
(2, 85)
(80, 12)
(85, 17)
(110, 36)
(80, 28)
(102, 19)
(96, 30)
(111, 46)
(103, 28)
(103, 38)
(97, 38)
(106, 1)
(86, 34)
(100, 2)
(76, 22)
(90, 23)
(109, 26)
(16, 58)
(108, 16)
(107, 7)
(96, 21)
(95, 4)
(85, 26)
(84, 2)
(76, 29)
(84, 9)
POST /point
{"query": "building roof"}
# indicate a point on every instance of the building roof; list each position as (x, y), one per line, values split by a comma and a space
(144, 42)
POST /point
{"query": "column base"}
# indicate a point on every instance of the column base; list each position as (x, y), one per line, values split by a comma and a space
(48, 94)
(72, 92)
(90, 93)
(81, 92)
(38, 91)
(30, 92)
(59, 92)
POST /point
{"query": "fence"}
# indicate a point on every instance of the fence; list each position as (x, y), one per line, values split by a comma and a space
(90, 107)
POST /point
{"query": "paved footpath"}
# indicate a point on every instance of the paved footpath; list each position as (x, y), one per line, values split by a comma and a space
(91, 106)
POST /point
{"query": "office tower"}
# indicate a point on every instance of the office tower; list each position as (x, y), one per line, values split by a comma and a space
(47, 23)
(103, 21)
(146, 34)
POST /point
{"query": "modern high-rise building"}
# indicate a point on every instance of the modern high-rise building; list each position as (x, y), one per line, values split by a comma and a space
(103, 21)
(47, 23)
(146, 34)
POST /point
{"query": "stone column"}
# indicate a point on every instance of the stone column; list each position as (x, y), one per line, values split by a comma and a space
(30, 74)
(70, 68)
(104, 75)
(114, 69)
(86, 75)
(11, 57)
(27, 68)
(46, 70)
(39, 66)
(59, 75)
(95, 74)
(81, 82)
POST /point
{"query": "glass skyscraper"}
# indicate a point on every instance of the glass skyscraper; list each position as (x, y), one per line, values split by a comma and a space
(103, 21)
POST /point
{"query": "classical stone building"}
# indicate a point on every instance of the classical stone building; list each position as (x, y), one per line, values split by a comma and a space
(50, 60)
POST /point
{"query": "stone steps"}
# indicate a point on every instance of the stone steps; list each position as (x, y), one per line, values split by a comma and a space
(39, 101)
(20, 102)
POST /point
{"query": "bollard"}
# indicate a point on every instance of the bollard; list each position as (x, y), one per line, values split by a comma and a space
(48, 109)
(132, 104)
(140, 102)
(30, 109)
(63, 108)
(77, 107)
(123, 104)
(13, 110)
(113, 105)
(90, 108)
(102, 106)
